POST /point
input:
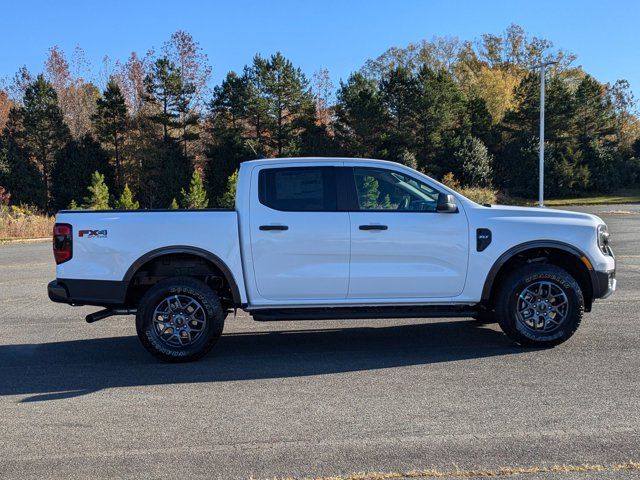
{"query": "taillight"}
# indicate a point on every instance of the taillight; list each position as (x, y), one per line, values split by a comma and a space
(62, 242)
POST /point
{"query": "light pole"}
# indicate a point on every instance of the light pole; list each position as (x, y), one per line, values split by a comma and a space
(542, 66)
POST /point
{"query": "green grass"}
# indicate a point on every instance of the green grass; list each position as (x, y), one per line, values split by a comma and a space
(621, 196)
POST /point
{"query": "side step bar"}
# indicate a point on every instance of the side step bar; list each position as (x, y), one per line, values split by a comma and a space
(352, 313)
(108, 312)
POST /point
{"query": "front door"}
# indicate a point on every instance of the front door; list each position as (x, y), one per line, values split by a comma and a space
(400, 246)
(299, 241)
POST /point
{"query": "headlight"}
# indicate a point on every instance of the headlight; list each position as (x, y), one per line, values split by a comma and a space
(603, 239)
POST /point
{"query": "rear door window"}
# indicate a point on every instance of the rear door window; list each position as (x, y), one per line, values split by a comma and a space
(298, 189)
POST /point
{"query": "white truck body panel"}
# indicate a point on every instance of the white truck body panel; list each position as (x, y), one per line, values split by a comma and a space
(513, 226)
(431, 262)
(131, 235)
(309, 261)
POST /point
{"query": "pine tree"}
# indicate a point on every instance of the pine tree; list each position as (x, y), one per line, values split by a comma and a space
(174, 205)
(370, 193)
(230, 102)
(98, 198)
(228, 131)
(400, 94)
(283, 91)
(110, 123)
(228, 198)
(164, 170)
(362, 122)
(39, 130)
(188, 118)
(476, 163)
(75, 163)
(162, 164)
(194, 70)
(441, 119)
(73, 205)
(163, 88)
(196, 197)
(20, 175)
(126, 200)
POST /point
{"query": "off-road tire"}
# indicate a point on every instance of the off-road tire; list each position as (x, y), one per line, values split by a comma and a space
(210, 333)
(509, 294)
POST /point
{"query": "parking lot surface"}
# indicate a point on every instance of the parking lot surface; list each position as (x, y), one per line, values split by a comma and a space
(316, 398)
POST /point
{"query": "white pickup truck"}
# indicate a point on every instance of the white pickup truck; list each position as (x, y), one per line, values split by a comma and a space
(316, 238)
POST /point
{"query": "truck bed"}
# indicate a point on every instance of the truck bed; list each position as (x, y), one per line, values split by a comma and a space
(107, 244)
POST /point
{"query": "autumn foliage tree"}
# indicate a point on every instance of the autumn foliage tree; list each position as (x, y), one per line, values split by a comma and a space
(468, 109)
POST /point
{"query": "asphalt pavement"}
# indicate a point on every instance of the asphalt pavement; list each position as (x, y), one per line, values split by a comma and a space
(314, 399)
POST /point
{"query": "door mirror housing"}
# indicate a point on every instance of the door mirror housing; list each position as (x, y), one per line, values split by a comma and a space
(446, 203)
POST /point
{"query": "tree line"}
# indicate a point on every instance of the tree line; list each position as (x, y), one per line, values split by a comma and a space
(156, 135)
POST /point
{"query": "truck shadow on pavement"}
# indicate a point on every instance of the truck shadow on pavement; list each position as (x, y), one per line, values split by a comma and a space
(54, 371)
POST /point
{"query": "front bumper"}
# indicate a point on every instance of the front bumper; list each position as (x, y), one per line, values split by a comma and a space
(604, 284)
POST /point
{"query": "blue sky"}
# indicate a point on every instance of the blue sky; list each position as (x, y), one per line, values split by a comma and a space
(338, 35)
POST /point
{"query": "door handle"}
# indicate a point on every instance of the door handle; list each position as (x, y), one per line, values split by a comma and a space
(274, 227)
(373, 227)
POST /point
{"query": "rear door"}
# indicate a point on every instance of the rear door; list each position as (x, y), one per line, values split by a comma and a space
(299, 240)
(400, 246)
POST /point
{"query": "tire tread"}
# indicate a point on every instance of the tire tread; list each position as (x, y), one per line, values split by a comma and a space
(215, 317)
(514, 281)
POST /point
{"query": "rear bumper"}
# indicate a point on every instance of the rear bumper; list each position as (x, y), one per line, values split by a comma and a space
(604, 284)
(57, 292)
(102, 293)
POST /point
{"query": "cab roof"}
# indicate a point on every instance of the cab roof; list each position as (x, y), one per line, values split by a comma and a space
(324, 160)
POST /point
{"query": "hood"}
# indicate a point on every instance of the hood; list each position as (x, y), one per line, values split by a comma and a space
(549, 215)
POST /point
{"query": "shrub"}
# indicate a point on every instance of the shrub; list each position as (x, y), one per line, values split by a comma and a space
(98, 198)
(450, 181)
(228, 198)
(480, 195)
(126, 200)
(24, 221)
(196, 197)
(477, 194)
(5, 196)
(409, 159)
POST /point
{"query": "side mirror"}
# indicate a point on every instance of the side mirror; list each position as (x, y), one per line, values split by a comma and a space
(446, 203)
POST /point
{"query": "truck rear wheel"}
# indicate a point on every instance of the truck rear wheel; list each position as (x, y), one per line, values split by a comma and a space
(539, 305)
(179, 319)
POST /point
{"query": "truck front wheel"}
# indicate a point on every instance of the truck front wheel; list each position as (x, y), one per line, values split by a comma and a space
(539, 305)
(179, 319)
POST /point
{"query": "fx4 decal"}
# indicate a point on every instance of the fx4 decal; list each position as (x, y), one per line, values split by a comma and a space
(92, 233)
